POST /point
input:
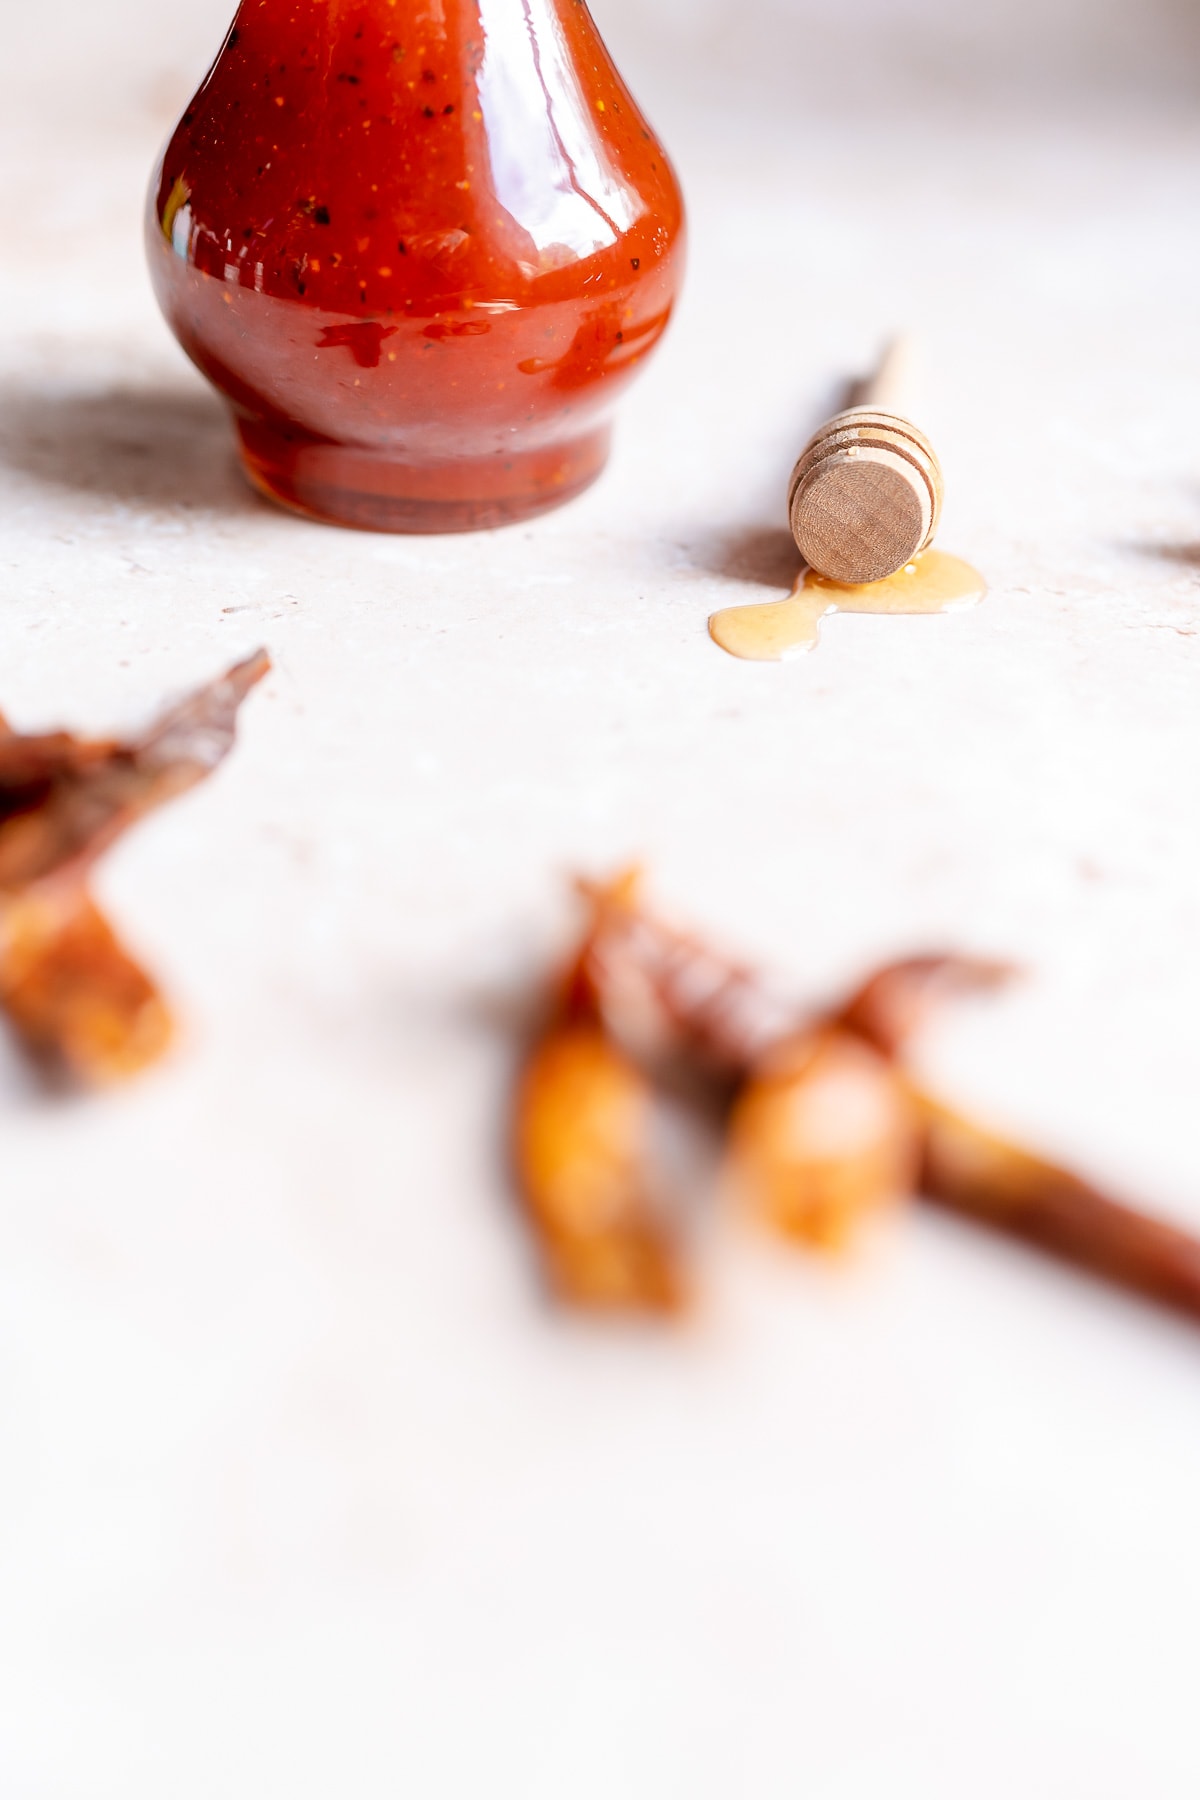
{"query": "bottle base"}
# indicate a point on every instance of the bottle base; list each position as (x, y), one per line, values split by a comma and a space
(340, 484)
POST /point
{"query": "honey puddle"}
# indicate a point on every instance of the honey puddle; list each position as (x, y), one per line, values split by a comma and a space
(770, 632)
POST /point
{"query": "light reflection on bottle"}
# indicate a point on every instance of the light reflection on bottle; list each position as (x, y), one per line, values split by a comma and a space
(549, 170)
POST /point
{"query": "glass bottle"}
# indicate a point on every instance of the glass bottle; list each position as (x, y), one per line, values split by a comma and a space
(421, 246)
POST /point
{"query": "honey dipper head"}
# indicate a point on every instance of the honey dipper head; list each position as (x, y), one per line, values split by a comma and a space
(865, 496)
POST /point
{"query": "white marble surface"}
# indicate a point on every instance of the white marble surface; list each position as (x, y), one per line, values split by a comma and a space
(303, 1491)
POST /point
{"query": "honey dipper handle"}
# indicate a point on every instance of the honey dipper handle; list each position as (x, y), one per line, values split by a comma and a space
(892, 388)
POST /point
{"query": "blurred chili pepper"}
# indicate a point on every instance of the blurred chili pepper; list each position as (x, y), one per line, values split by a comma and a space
(75, 997)
(824, 1123)
(583, 1151)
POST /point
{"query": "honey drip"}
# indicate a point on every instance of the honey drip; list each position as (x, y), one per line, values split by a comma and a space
(778, 629)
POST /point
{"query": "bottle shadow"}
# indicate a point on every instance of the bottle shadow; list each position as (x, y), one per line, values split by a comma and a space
(763, 554)
(1186, 555)
(161, 448)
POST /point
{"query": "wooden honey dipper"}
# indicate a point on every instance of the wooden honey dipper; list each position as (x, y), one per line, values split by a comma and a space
(866, 495)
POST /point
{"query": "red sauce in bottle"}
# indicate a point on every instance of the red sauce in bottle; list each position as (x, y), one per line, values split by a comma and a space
(420, 246)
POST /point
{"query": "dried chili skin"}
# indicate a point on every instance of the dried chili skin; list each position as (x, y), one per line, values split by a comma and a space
(583, 1160)
(76, 999)
(582, 1153)
(977, 1173)
(667, 993)
(822, 1136)
(74, 995)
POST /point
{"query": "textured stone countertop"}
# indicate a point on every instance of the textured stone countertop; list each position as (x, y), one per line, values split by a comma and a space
(304, 1490)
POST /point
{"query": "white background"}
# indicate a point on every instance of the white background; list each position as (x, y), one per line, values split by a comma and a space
(303, 1490)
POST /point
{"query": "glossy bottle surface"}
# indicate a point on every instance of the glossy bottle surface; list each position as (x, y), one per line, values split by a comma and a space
(421, 246)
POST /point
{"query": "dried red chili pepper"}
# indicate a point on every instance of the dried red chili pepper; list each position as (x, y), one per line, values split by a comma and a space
(825, 1123)
(76, 998)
